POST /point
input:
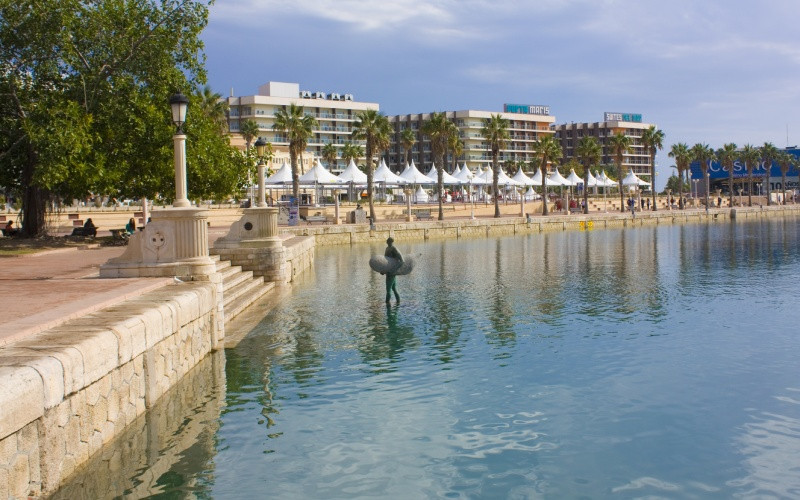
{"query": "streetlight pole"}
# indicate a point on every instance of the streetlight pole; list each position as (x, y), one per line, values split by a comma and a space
(708, 177)
(179, 104)
(261, 145)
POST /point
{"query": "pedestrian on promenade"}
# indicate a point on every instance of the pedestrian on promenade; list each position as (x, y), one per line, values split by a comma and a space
(391, 278)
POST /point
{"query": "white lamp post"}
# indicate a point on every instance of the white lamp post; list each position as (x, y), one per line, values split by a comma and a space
(261, 145)
(179, 104)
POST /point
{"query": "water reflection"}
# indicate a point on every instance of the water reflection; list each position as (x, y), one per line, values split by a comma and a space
(625, 362)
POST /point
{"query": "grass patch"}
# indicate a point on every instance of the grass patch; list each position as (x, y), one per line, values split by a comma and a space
(14, 247)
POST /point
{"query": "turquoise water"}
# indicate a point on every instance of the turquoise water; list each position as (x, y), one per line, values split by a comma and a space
(610, 363)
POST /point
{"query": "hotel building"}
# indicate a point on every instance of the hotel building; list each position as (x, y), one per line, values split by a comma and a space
(630, 124)
(335, 114)
(526, 125)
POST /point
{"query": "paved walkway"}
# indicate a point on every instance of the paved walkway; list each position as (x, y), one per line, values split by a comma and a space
(40, 291)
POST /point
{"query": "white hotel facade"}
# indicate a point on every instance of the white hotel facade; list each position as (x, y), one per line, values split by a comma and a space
(335, 114)
(527, 124)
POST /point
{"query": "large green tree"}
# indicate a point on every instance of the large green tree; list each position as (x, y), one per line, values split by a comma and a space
(298, 127)
(83, 98)
(373, 128)
(620, 144)
(653, 140)
(439, 129)
(727, 157)
(330, 154)
(495, 132)
(352, 151)
(683, 158)
(590, 154)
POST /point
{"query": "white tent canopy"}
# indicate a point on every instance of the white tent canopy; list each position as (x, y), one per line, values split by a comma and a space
(420, 196)
(414, 176)
(557, 179)
(319, 175)
(605, 181)
(353, 174)
(632, 180)
(537, 179)
(502, 178)
(282, 176)
(592, 180)
(522, 178)
(573, 178)
(386, 176)
(446, 178)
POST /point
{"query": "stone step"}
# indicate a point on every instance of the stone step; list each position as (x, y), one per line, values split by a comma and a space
(235, 279)
(240, 289)
(229, 271)
(224, 264)
(241, 303)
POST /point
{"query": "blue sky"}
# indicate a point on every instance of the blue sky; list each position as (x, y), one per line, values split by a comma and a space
(711, 71)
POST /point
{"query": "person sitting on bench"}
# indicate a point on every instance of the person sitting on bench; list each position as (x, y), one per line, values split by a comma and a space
(130, 227)
(10, 230)
(89, 229)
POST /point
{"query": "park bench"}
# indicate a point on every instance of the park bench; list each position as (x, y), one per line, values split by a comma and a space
(310, 219)
(422, 214)
(119, 236)
(85, 232)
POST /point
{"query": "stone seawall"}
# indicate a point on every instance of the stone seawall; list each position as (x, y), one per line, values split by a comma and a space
(68, 391)
(488, 227)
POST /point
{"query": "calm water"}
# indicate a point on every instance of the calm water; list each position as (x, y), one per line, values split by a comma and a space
(611, 363)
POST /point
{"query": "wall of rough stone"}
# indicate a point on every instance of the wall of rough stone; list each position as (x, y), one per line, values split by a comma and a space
(67, 391)
(278, 263)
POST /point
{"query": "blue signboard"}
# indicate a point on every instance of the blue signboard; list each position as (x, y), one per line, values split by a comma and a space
(717, 171)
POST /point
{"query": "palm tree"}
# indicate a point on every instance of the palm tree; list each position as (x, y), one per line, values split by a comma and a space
(703, 154)
(548, 149)
(298, 128)
(455, 145)
(683, 157)
(590, 153)
(213, 106)
(620, 144)
(351, 151)
(373, 128)
(407, 139)
(768, 153)
(751, 157)
(786, 161)
(727, 157)
(329, 154)
(438, 128)
(495, 131)
(653, 140)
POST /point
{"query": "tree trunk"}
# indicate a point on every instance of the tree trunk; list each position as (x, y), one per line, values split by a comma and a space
(653, 180)
(730, 185)
(783, 187)
(750, 188)
(495, 175)
(586, 192)
(621, 193)
(440, 186)
(295, 176)
(370, 172)
(34, 200)
(680, 190)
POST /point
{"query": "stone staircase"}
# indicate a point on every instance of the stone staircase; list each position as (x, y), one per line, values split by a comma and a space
(240, 288)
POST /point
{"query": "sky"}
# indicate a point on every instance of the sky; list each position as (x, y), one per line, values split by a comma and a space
(711, 71)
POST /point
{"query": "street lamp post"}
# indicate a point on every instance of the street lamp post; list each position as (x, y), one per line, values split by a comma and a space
(261, 145)
(708, 177)
(179, 104)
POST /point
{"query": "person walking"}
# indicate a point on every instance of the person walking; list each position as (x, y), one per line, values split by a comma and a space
(391, 278)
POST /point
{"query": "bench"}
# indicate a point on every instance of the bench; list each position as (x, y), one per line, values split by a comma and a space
(84, 232)
(315, 218)
(422, 214)
(119, 236)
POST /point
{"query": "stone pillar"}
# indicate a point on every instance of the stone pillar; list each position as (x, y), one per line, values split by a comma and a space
(181, 200)
(262, 196)
(175, 243)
